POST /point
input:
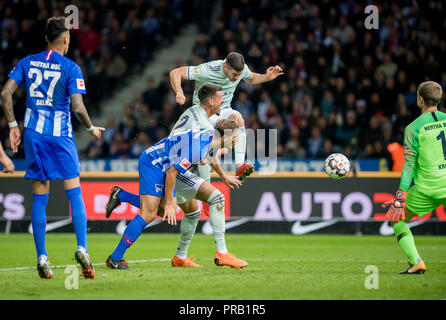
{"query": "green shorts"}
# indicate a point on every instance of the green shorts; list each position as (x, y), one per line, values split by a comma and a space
(420, 204)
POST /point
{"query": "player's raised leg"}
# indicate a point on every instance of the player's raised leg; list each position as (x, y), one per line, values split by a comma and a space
(118, 195)
(188, 225)
(243, 169)
(38, 222)
(149, 209)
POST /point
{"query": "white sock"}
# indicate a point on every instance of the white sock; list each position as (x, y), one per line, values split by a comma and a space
(240, 148)
(217, 219)
(188, 226)
(42, 257)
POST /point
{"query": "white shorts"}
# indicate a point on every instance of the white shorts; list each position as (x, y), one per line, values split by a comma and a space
(224, 114)
(187, 186)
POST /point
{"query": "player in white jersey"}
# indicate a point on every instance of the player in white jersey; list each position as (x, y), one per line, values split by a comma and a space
(227, 74)
(190, 187)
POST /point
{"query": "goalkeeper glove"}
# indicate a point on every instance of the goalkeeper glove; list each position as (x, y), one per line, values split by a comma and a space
(395, 207)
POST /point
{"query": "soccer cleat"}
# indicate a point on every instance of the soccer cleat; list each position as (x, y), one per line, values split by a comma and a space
(43, 268)
(113, 200)
(120, 264)
(228, 259)
(244, 170)
(419, 268)
(83, 259)
(187, 262)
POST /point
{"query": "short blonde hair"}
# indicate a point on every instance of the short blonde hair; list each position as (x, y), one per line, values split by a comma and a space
(223, 126)
(431, 93)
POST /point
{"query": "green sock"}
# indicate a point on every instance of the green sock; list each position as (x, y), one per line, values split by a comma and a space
(406, 241)
(187, 228)
(217, 219)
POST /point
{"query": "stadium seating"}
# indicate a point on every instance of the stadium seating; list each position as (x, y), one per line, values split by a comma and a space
(345, 89)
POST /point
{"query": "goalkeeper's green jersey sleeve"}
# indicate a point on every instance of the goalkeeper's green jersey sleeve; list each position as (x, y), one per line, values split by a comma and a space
(425, 155)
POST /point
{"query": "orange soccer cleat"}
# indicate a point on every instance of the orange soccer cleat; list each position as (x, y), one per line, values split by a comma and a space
(244, 170)
(187, 262)
(419, 268)
(228, 259)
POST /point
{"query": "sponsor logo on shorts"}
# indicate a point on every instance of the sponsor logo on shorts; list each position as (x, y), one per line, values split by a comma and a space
(158, 188)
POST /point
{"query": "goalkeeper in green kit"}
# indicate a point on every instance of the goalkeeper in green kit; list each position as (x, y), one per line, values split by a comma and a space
(425, 162)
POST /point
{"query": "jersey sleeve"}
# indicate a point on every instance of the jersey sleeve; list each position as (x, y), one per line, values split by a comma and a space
(76, 82)
(247, 73)
(199, 72)
(18, 72)
(410, 157)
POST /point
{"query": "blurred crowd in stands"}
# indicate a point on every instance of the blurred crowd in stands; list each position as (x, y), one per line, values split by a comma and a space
(346, 88)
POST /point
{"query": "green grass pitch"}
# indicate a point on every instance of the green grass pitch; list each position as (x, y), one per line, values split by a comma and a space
(281, 267)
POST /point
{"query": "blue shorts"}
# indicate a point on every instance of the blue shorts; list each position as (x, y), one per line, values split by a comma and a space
(151, 178)
(50, 158)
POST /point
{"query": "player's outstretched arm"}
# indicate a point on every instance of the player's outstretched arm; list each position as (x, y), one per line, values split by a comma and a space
(271, 74)
(176, 76)
(78, 107)
(14, 131)
(170, 207)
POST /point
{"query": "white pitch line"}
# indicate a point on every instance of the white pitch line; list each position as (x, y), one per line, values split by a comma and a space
(333, 260)
(254, 259)
(94, 264)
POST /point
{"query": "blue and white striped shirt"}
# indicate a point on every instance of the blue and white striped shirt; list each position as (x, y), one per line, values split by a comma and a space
(181, 150)
(50, 79)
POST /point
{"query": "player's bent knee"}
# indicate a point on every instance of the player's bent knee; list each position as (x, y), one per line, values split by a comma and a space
(148, 216)
(40, 187)
(216, 198)
(71, 183)
(190, 206)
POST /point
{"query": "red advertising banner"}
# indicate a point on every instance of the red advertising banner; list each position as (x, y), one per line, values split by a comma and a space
(96, 196)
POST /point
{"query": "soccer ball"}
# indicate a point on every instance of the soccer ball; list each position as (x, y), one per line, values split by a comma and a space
(337, 166)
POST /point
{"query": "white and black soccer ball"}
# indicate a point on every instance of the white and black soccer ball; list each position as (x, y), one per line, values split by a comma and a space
(337, 166)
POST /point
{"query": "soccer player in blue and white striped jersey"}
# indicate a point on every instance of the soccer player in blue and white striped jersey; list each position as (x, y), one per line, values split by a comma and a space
(52, 83)
(159, 166)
